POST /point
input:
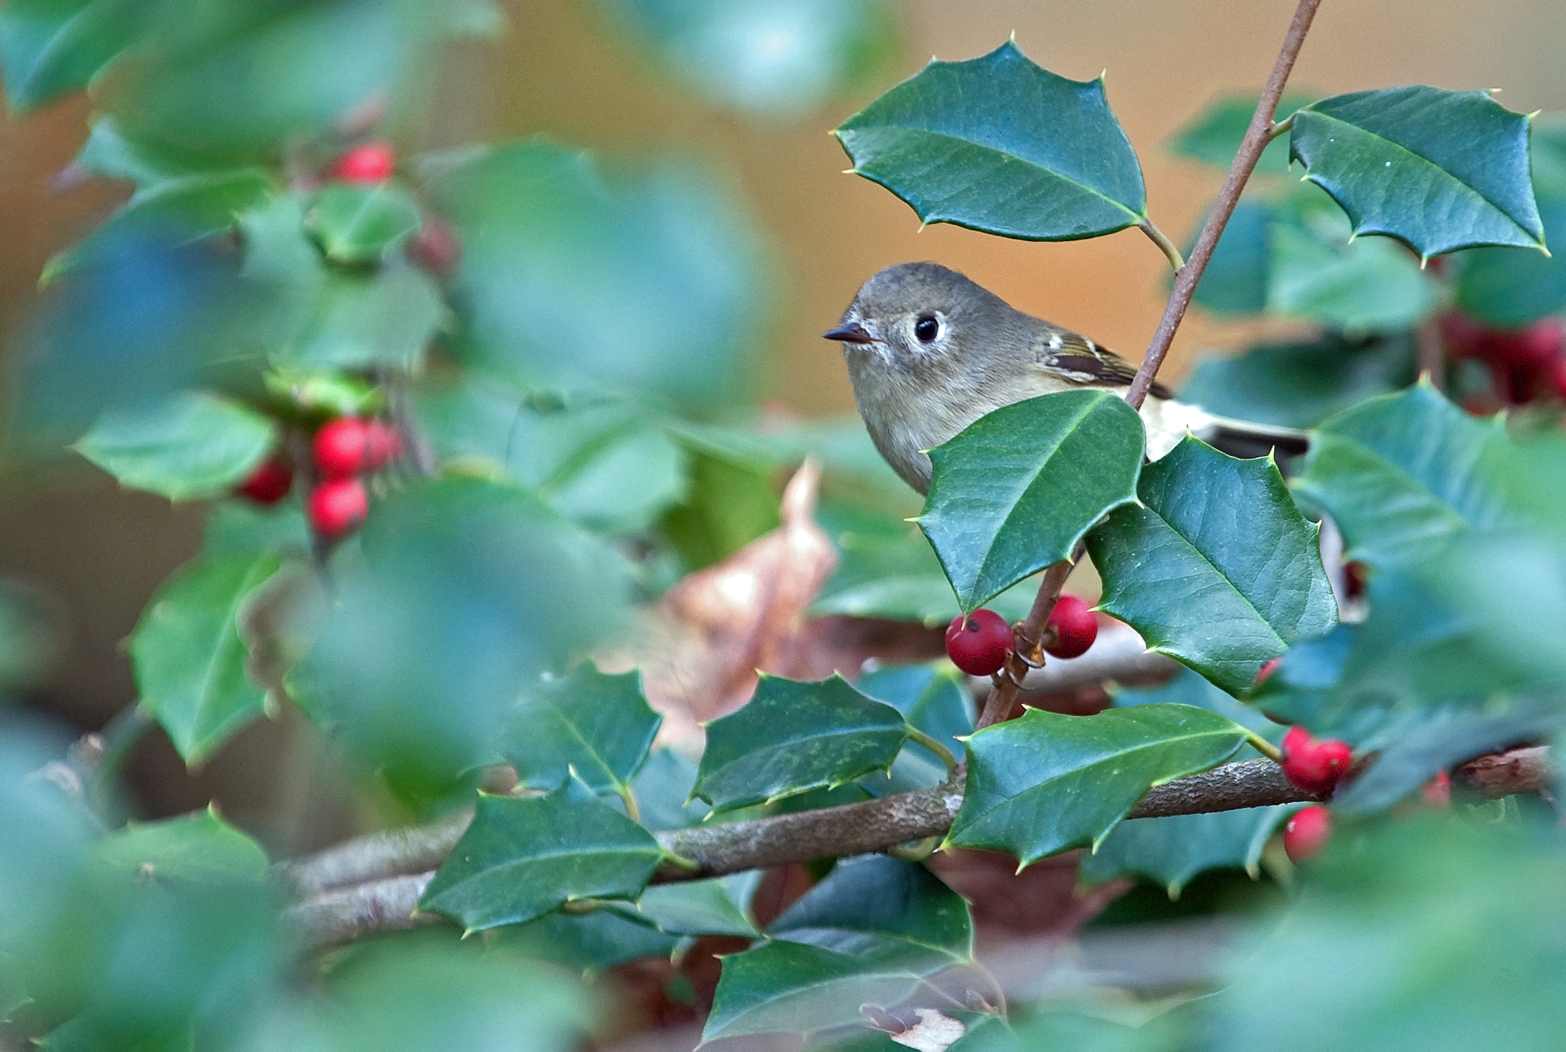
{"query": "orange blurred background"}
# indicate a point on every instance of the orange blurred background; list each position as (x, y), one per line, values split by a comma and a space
(564, 68)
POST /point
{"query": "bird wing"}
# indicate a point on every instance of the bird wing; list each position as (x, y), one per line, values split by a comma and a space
(1079, 358)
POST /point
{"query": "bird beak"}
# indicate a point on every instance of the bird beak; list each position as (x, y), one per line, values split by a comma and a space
(853, 332)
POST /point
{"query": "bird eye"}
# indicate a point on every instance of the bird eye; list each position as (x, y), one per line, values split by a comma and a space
(927, 328)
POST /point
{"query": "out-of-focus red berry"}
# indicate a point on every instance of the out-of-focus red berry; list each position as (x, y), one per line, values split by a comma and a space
(1315, 765)
(435, 247)
(373, 162)
(1074, 627)
(1438, 791)
(269, 483)
(1307, 832)
(1266, 670)
(978, 644)
(351, 445)
(337, 507)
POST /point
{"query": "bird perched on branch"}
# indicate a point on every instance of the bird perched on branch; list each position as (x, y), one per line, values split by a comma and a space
(929, 352)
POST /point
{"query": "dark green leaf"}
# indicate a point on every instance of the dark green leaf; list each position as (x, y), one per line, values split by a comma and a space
(182, 209)
(932, 697)
(1440, 170)
(1216, 567)
(236, 526)
(1411, 917)
(651, 281)
(889, 914)
(1214, 136)
(197, 847)
(355, 223)
(189, 657)
(522, 858)
(186, 447)
(467, 590)
(364, 320)
(794, 736)
(594, 724)
(1001, 145)
(791, 988)
(766, 57)
(1235, 281)
(1047, 782)
(590, 943)
(50, 47)
(1300, 384)
(1015, 491)
(663, 792)
(720, 906)
(1173, 851)
(1403, 474)
(1360, 287)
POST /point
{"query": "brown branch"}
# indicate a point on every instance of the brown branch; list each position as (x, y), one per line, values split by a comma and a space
(1256, 139)
(377, 889)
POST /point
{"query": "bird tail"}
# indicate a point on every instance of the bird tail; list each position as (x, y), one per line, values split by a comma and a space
(1168, 421)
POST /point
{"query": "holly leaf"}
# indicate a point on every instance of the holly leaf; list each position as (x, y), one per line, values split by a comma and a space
(1439, 170)
(357, 224)
(51, 47)
(519, 859)
(792, 737)
(1216, 567)
(189, 658)
(1002, 145)
(1356, 287)
(198, 847)
(720, 906)
(188, 446)
(1046, 782)
(1174, 850)
(596, 725)
(1300, 384)
(1016, 490)
(359, 321)
(1403, 474)
(1235, 281)
(591, 943)
(1214, 135)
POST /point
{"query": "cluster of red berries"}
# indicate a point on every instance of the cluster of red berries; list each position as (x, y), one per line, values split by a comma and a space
(1524, 363)
(344, 450)
(434, 246)
(978, 643)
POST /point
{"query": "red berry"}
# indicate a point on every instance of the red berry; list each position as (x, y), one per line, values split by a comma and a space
(979, 643)
(435, 247)
(1306, 832)
(337, 507)
(1438, 791)
(269, 483)
(382, 444)
(373, 162)
(1075, 627)
(1557, 373)
(1527, 348)
(1315, 765)
(351, 446)
(1266, 670)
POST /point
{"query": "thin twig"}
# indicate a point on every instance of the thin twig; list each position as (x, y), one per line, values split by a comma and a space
(1256, 139)
(1029, 653)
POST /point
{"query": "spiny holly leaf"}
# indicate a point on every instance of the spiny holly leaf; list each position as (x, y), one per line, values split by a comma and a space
(359, 321)
(591, 943)
(933, 698)
(1403, 474)
(1174, 850)
(1047, 782)
(886, 912)
(357, 224)
(188, 446)
(720, 906)
(1001, 145)
(783, 987)
(1016, 490)
(1440, 170)
(1356, 287)
(1216, 567)
(195, 847)
(1214, 136)
(522, 858)
(594, 724)
(1300, 384)
(188, 655)
(50, 47)
(795, 736)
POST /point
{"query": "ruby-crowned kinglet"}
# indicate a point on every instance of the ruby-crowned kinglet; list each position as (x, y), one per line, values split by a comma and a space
(929, 352)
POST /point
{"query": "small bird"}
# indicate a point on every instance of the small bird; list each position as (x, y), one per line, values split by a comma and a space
(929, 352)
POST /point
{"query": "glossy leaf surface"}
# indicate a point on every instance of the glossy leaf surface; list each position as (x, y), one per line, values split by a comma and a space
(357, 224)
(594, 724)
(1216, 567)
(1016, 490)
(1046, 782)
(189, 657)
(188, 446)
(522, 858)
(796, 736)
(1002, 145)
(1440, 170)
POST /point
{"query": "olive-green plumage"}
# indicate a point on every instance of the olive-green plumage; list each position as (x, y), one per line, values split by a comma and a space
(929, 352)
